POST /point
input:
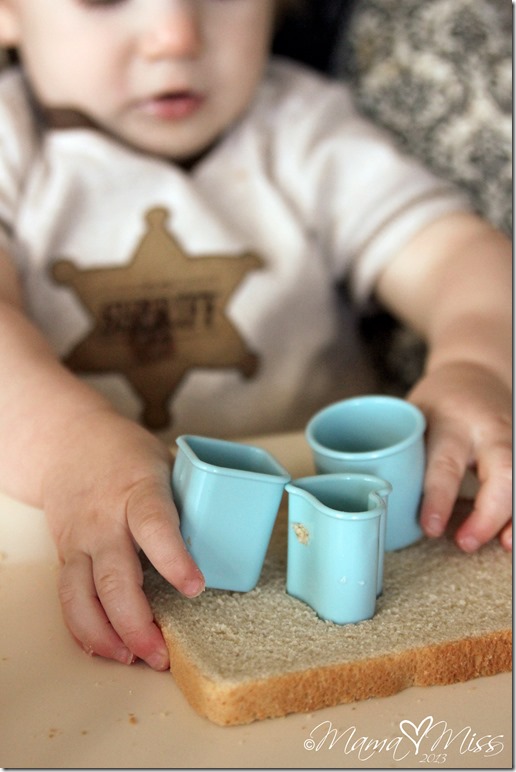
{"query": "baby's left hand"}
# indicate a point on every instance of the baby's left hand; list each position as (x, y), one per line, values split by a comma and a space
(469, 413)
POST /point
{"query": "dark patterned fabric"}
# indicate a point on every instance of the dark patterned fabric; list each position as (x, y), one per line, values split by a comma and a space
(438, 74)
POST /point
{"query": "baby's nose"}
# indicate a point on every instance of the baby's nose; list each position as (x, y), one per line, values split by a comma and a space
(173, 32)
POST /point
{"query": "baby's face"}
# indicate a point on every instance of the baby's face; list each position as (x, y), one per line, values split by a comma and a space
(167, 76)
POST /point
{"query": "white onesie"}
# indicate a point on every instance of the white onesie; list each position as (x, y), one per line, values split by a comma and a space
(205, 300)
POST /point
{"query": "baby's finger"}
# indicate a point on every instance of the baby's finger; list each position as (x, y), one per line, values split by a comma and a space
(448, 454)
(154, 524)
(493, 504)
(83, 612)
(506, 537)
(118, 581)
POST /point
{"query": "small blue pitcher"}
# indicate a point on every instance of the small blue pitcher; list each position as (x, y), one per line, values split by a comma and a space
(228, 495)
(336, 542)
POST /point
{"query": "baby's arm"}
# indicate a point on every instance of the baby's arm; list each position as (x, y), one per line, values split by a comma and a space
(453, 283)
(103, 482)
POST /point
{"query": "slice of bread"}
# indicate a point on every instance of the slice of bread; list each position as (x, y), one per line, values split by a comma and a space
(444, 617)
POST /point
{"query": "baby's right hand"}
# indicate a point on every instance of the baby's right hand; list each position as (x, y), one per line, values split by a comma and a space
(106, 496)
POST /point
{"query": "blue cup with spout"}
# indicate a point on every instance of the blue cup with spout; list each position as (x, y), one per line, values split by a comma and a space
(336, 544)
(228, 496)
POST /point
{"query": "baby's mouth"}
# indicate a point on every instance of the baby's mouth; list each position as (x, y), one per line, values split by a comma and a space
(174, 105)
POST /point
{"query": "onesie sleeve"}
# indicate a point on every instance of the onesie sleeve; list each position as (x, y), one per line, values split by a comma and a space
(362, 197)
(18, 136)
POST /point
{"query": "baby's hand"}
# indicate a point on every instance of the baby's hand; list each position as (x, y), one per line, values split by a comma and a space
(106, 496)
(469, 412)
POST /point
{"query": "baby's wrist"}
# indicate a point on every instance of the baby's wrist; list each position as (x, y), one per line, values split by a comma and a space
(473, 342)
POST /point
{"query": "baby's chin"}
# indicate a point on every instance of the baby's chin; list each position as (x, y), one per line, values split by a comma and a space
(186, 154)
(186, 157)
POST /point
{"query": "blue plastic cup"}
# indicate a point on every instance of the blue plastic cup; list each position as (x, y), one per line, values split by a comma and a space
(228, 495)
(382, 436)
(335, 544)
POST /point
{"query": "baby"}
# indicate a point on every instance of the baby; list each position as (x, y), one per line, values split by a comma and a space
(176, 212)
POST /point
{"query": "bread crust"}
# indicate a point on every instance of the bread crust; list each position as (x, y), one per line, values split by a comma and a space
(229, 704)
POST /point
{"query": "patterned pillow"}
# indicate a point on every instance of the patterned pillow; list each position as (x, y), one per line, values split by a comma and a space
(438, 74)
